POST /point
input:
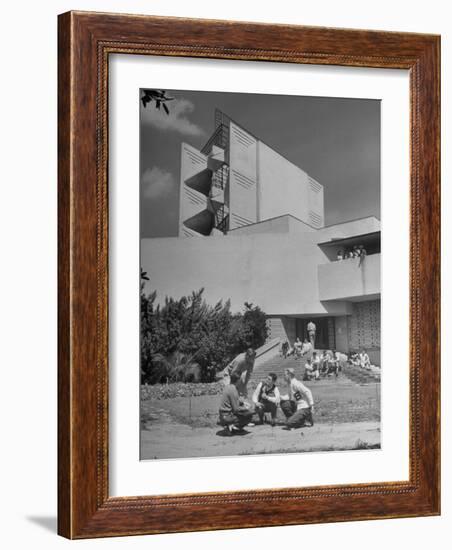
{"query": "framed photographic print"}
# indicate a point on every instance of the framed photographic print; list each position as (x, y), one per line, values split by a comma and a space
(248, 275)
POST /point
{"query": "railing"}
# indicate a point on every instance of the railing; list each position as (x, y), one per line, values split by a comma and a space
(268, 350)
(219, 138)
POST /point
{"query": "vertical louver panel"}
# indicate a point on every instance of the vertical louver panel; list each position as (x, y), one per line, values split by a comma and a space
(242, 177)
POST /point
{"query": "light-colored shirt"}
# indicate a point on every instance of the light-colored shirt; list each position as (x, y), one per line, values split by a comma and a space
(299, 393)
(307, 347)
(262, 387)
(315, 363)
(240, 365)
(311, 327)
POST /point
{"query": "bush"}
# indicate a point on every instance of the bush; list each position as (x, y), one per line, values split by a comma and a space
(249, 330)
(190, 340)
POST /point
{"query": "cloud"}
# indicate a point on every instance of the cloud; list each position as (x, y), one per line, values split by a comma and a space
(176, 121)
(157, 183)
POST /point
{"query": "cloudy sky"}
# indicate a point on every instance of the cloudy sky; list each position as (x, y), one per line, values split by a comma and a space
(336, 141)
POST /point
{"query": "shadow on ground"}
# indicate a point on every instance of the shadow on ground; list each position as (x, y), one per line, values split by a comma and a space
(49, 523)
(226, 433)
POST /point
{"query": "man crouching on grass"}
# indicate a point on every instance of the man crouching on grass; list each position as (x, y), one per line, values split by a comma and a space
(298, 405)
(266, 398)
(233, 414)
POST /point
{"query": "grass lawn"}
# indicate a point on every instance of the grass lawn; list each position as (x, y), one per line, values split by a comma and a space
(336, 401)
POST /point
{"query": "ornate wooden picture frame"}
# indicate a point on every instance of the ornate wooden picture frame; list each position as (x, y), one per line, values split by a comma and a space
(86, 41)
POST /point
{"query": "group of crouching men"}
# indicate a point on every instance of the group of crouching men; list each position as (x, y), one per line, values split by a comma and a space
(235, 411)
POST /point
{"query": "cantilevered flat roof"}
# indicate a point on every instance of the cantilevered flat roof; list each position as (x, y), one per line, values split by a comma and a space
(364, 238)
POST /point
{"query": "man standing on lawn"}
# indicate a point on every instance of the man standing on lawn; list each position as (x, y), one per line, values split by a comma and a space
(232, 413)
(266, 398)
(298, 405)
(243, 366)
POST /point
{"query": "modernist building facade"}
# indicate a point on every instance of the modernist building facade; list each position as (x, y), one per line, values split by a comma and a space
(230, 183)
(257, 223)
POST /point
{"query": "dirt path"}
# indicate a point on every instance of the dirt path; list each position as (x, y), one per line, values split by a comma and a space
(186, 441)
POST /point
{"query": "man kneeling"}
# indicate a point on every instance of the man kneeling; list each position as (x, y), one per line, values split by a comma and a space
(233, 414)
(266, 398)
(298, 405)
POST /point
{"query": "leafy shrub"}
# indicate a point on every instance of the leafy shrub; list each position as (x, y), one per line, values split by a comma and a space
(184, 337)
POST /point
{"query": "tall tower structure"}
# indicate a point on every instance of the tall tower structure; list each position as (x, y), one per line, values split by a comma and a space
(237, 180)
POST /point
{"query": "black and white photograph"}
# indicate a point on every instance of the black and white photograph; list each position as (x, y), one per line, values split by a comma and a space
(260, 274)
(225, 232)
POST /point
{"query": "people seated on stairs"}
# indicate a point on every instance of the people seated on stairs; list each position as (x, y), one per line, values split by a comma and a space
(315, 361)
(298, 346)
(334, 365)
(284, 348)
(364, 360)
(266, 398)
(298, 404)
(311, 370)
(233, 412)
(325, 359)
(307, 348)
(360, 360)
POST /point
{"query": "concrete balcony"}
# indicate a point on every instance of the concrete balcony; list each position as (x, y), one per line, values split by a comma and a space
(347, 279)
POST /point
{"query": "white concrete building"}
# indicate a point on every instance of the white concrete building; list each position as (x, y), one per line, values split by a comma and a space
(231, 183)
(267, 244)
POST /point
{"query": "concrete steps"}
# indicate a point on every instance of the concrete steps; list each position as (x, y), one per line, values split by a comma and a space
(278, 364)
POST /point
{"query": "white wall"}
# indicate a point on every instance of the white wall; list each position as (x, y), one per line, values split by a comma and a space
(191, 202)
(277, 272)
(316, 215)
(350, 228)
(350, 278)
(242, 177)
(28, 274)
(292, 183)
(255, 165)
(282, 224)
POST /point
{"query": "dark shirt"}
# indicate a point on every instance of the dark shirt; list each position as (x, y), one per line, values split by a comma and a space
(230, 399)
(266, 390)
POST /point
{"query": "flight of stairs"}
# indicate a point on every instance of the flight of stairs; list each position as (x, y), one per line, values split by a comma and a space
(278, 364)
